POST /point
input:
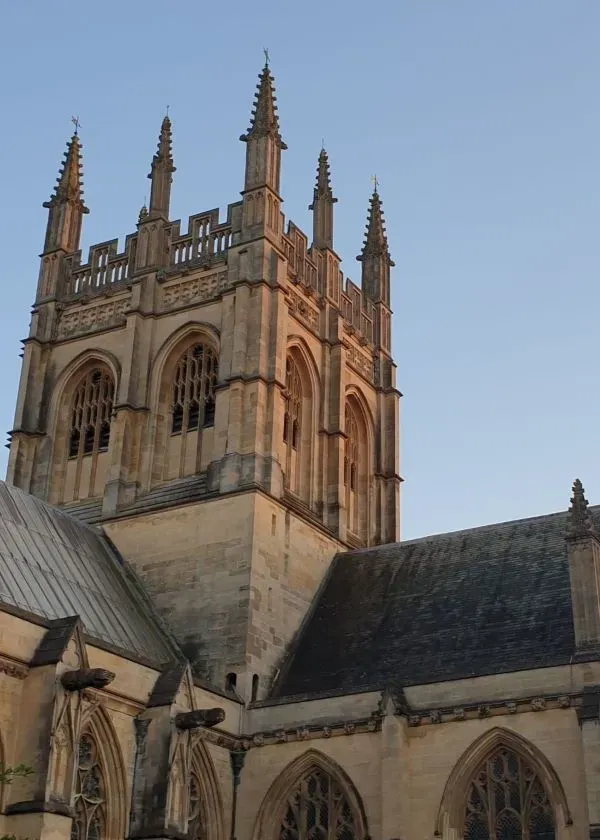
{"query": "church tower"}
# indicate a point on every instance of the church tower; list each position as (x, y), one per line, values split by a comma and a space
(219, 399)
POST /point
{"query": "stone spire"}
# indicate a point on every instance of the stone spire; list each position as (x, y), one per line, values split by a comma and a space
(579, 520)
(161, 174)
(264, 121)
(263, 138)
(322, 205)
(375, 254)
(375, 244)
(66, 204)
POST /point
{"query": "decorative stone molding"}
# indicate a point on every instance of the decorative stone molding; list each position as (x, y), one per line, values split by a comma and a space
(361, 363)
(511, 707)
(183, 292)
(13, 669)
(305, 733)
(303, 311)
(98, 316)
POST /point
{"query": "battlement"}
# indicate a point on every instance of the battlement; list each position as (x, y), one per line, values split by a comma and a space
(205, 242)
(106, 268)
(319, 274)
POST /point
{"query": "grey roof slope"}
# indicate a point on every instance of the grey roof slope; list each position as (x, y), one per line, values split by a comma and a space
(54, 566)
(488, 600)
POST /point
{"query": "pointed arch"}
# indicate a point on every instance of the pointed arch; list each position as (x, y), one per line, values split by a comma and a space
(358, 465)
(184, 381)
(300, 420)
(205, 810)
(81, 412)
(452, 812)
(338, 790)
(101, 781)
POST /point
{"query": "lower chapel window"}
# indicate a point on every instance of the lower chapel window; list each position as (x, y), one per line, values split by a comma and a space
(194, 386)
(318, 810)
(89, 820)
(91, 414)
(507, 801)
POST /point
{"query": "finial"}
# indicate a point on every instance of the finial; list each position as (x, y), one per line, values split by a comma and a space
(76, 123)
(69, 184)
(264, 121)
(167, 111)
(375, 243)
(323, 184)
(579, 520)
(266, 52)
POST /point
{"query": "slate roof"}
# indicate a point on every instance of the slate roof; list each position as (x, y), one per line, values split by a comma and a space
(181, 490)
(484, 601)
(56, 567)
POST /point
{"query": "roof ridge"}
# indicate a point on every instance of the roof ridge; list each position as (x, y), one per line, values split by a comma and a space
(595, 509)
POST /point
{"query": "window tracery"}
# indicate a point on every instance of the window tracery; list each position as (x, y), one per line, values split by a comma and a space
(91, 414)
(352, 469)
(194, 386)
(507, 801)
(293, 405)
(318, 809)
(89, 820)
(196, 811)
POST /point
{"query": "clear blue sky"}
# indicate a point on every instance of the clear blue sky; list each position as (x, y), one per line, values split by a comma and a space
(482, 122)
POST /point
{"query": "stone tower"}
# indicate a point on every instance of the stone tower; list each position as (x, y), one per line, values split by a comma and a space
(220, 400)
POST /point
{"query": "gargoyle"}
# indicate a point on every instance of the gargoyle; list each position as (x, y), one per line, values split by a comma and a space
(86, 678)
(199, 717)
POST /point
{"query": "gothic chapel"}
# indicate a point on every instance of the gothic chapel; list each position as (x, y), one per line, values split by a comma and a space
(209, 627)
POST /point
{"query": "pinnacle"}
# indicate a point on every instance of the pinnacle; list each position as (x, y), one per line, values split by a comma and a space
(164, 153)
(69, 184)
(264, 121)
(323, 185)
(579, 520)
(375, 243)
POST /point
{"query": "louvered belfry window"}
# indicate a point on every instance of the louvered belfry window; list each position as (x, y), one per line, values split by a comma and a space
(193, 405)
(507, 801)
(293, 405)
(91, 414)
(318, 810)
(89, 820)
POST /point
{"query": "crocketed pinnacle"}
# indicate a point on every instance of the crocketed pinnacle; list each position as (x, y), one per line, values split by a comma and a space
(143, 213)
(264, 121)
(163, 159)
(579, 520)
(323, 191)
(375, 244)
(69, 184)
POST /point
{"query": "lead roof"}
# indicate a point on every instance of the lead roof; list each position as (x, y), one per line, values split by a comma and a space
(485, 601)
(55, 567)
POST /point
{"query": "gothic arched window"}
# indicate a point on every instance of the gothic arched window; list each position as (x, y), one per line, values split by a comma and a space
(89, 819)
(507, 801)
(197, 811)
(352, 471)
(194, 384)
(296, 459)
(318, 809)
(91, 413)
(293, 405)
